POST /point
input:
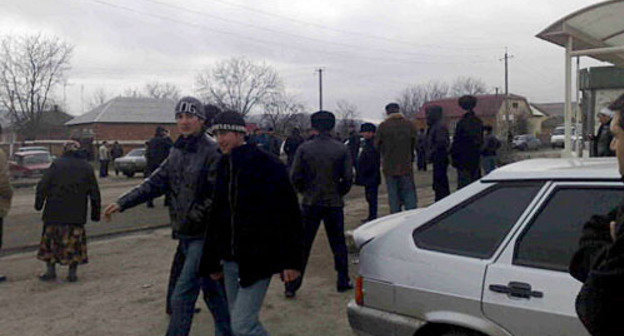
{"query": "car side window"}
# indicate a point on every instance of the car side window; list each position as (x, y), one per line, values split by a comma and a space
(476, 227)
(553, 235)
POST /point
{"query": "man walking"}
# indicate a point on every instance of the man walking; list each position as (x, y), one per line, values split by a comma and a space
(438, 141)
(104, 155)
(467, 142)
(255, 227)
(367, 172)
(323, 173)
(189, 175)
(396, 141)
(6, 193)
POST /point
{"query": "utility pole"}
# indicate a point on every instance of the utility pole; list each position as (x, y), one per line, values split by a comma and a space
(320, 71)
(507, 119)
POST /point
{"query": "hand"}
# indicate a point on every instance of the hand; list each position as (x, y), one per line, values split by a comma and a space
(290, 275)
(111, 209)
(216, 276)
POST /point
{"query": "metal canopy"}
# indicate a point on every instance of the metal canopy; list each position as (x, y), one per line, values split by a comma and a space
(596, 31)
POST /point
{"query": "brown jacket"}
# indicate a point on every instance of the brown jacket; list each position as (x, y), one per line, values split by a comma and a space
(396, 140)
(6, 193)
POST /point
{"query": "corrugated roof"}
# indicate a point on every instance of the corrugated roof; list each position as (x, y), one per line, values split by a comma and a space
(129, 110)
(487, 105)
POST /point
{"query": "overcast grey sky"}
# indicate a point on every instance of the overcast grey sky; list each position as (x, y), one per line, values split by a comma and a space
(370, 50)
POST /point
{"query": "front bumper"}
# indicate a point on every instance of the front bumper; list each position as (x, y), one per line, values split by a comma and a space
(373, 322)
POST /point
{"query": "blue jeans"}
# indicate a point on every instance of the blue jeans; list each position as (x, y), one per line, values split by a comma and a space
(401, 192)
(244, 302)
(187, 289)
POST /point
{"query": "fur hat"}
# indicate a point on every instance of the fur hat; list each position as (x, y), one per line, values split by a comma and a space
(392, 108)
(190, 105)
(467, 102)
(228, 121)
(323, 121)
(368, 127)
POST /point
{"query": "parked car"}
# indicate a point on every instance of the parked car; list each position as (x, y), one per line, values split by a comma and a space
(526, 142)
(29, 163)
(32, 148)
(557, 137)
(490, 259)
(132, 162)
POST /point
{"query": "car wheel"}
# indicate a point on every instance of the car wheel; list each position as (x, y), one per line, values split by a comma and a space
(129, 174)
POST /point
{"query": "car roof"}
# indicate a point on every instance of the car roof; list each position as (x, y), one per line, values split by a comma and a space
(604, 169)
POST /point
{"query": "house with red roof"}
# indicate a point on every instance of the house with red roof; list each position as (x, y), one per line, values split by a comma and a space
(491, 108)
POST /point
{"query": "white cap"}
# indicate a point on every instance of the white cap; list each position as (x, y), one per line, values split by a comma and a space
(607, 112)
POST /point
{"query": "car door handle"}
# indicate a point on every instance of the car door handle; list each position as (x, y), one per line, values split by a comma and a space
(517, 289)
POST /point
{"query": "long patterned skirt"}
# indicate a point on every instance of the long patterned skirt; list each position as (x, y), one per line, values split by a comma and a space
(63, 244)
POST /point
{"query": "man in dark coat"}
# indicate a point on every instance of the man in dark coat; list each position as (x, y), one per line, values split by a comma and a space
(396, 140)
(189, 175)
(438, 143)
(291, 144)
(156, 152)
(116, 152)
(354, 144)
(602, 139)
(467, 142)
(599, 261)
(421, 150)
(255, 227)
(491, 144)
(368, 172)
(323, 173)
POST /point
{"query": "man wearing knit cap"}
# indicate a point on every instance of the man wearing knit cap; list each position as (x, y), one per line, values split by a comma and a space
(602, 139)
(188, 174)
(255, 227)
(323, 173)
(467, 142)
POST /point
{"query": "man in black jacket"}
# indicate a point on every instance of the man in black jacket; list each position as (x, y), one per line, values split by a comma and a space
(467, 142)
(189, 175)
(156, 152)
(255, 227)
(438, 143)
(599, 261)
(323, 173)
(368, 169)
(291, 144)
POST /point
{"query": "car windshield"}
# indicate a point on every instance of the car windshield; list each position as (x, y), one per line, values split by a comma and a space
(558, 131)
(34, 159)
(137, 152)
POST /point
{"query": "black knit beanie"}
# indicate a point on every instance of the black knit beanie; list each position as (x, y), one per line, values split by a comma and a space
(228, 121)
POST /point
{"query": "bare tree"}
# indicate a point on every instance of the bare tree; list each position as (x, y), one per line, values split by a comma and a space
(413, 97)
(238, 84)
(281, 112)
(31, 66)
(98, 98)
(132, 92)
(162, 90)
(346, 113)
(468, 86)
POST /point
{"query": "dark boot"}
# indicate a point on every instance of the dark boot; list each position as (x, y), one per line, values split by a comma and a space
(344, 283)
(50, 273)
(72, 274)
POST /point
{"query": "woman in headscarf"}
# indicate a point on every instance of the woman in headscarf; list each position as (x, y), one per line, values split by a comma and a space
(62, 193)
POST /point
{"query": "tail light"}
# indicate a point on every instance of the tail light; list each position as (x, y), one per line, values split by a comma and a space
(359, 291)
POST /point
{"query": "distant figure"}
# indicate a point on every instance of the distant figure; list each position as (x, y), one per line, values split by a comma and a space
(64, 190)
(467, 142)
(156, 152)
(488, 154)
(291, 144)
(104, 156)
(116, 152)
(438, 143)
(602, 139)
(368, 172)
(6, 193)
(421, 150)
(396, 141)
(353, 144)
(275, 144)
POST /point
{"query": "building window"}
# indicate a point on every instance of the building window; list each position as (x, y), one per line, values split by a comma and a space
(514, 105)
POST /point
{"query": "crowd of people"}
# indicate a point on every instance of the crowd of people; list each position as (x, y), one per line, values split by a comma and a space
(236, 215)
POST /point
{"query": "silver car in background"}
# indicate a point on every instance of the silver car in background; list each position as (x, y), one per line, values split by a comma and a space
(131, 163)
(490, 259)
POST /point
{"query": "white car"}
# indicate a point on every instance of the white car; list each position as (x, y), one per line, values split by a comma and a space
(557, 137)
(490, 259)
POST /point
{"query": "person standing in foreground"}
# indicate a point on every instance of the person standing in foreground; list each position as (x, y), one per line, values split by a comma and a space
(255, 227)
(467, 142)
(438, 143)
(104, 155)
(189, 175)
(599, 261)
(323, 173)
(64, 190)
(396, 140)
(6, 194)
(368, 169)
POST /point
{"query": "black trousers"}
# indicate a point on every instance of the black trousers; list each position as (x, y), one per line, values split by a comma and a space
(371, 192)
(440, 179)
(104, 168)
(333, 219)
(465, 176)
(421, 160)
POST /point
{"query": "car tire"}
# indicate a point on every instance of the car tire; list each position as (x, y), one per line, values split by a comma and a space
(129, 174)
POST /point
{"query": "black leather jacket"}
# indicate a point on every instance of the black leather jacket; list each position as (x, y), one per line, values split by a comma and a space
(188, 175)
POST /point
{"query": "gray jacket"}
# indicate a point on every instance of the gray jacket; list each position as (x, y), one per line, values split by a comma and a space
(322, 171)
(188, 174)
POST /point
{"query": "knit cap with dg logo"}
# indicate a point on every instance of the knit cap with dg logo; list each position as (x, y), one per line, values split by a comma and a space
(190, 105)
